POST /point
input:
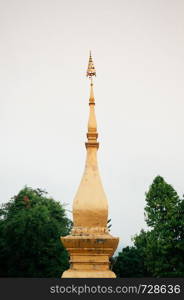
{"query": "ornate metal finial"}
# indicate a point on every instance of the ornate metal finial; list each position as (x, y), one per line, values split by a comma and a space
(91, 69)
(92, 134)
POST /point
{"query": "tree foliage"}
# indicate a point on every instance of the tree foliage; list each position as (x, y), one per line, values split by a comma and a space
(160, 251)
(164, 214)
(30, 228)
(130, 263)
(161, 203)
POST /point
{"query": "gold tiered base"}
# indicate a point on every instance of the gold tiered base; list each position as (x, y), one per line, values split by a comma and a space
(89, 255)
(88, 274)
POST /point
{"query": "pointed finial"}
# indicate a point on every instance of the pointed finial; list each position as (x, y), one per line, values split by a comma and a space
(92, 134)
(91, 69)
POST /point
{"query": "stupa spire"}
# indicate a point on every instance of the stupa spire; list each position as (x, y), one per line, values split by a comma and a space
(90, 207)
(90, 244)
(92, 134)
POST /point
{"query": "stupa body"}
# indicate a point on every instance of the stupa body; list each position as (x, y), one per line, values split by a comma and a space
(90, 244)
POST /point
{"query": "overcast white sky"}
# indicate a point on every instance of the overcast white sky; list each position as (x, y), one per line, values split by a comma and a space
(138, 51)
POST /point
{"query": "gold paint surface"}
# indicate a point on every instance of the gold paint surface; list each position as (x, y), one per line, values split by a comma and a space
(90, 245)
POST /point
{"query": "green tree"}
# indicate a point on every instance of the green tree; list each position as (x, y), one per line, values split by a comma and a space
(158, 252)
(30, 228)
(130, 263)
(145, 243)
(164, 253)
(161, 203)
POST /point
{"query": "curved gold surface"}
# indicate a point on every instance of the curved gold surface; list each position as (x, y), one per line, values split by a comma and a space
(90, 245)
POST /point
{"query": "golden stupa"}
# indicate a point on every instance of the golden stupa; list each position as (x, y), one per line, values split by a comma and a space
(90, 245)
